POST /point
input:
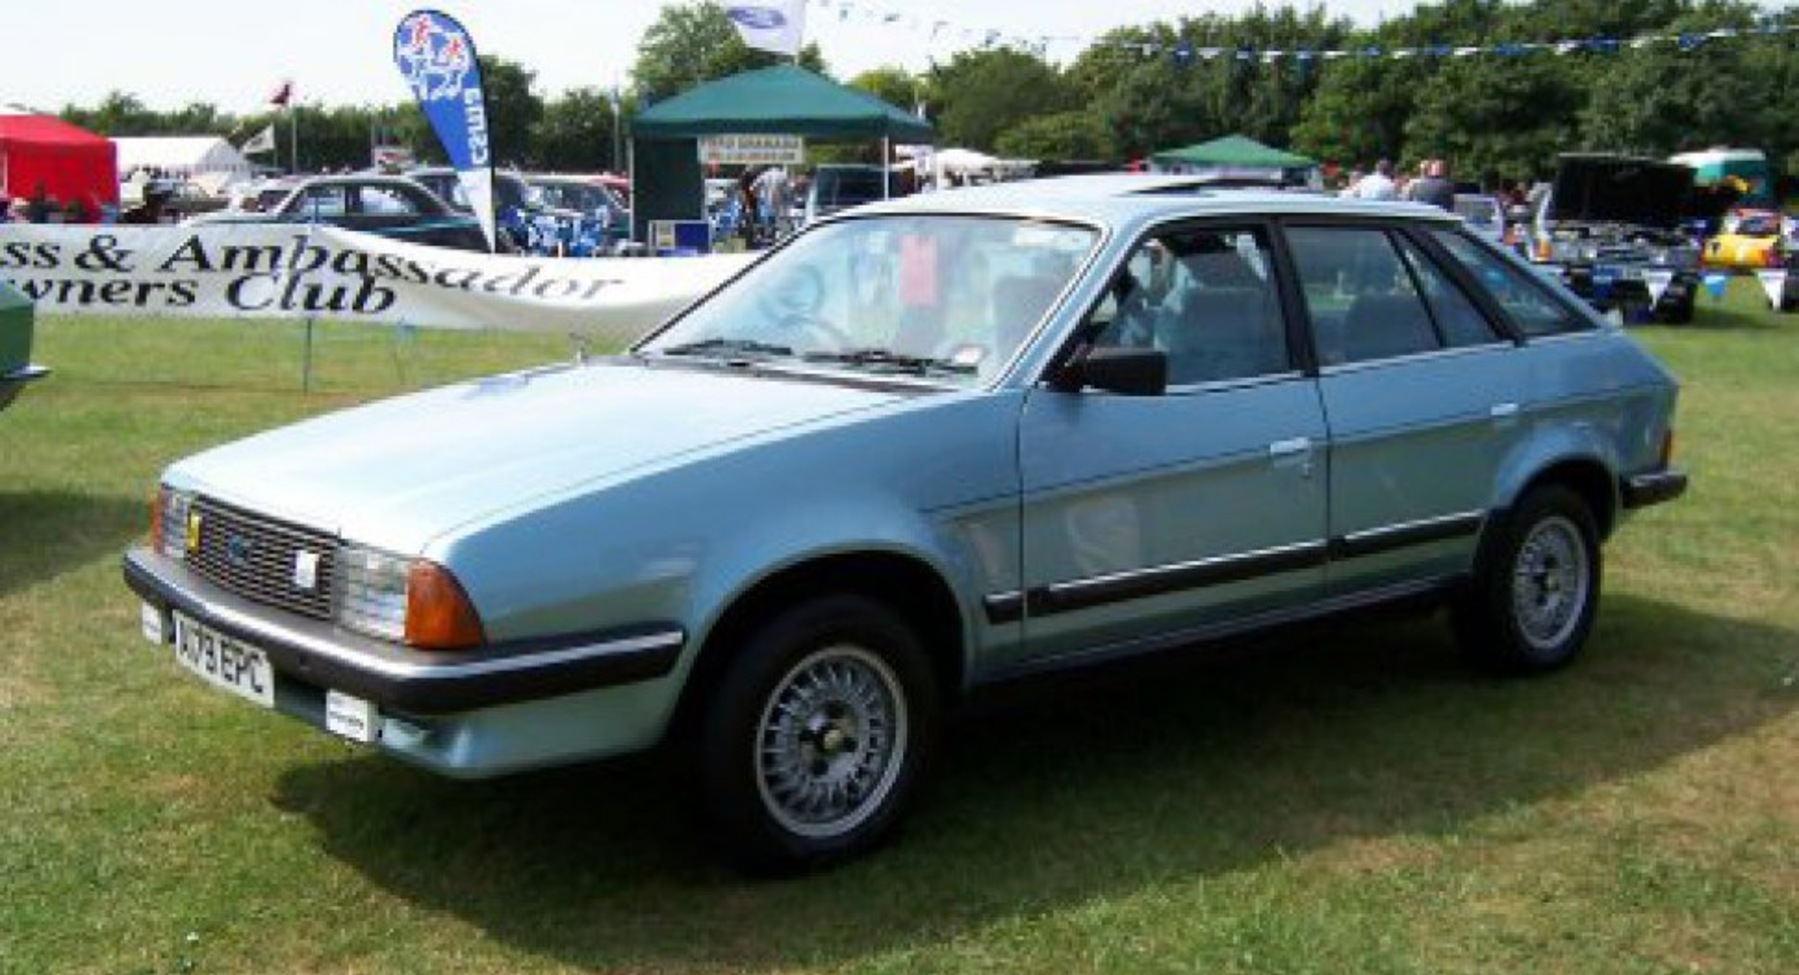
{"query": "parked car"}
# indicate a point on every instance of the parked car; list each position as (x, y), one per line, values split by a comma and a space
(1612, 225)
(1748, 240)
(602, 217)
(837, 187)
(924, 448)
(1484, 213)
(17, 323)
(529, 223)
(391, 206)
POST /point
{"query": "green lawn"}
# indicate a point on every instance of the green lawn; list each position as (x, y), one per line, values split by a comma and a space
(1347, 801)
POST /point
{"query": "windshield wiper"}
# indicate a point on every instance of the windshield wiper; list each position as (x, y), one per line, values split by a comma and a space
(889, 359)
(728, 347)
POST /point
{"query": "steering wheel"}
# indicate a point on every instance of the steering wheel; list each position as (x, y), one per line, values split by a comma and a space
(792, 305)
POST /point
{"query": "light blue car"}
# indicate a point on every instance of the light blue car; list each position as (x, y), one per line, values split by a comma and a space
(923, 448)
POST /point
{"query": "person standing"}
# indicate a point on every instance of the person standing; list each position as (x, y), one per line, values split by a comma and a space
(1377, 185)
(1434, 186)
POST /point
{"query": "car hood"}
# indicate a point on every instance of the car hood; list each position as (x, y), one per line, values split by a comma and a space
(1621, 189)
(403, 472)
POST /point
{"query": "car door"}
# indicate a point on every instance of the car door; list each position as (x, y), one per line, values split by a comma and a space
(1150, 519)
(1423, 395)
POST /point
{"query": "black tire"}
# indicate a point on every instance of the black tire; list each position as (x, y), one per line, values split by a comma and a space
(1679, 314)
(1531, 603)
(816, 735)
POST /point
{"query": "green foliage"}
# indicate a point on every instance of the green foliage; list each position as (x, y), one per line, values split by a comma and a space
(512, 110)
(1493, 116)
(983, 93)
(576, 133)
(693, 43)
(895, 86)
(1066, 135)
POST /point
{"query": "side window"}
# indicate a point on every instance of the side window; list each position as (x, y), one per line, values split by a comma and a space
(1363, 300)
(322, 201)
(1526, 300)
(385, 202)
(1456, 315)
(1204, 296)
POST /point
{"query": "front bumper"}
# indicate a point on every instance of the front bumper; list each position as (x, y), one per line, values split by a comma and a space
(1623, 287)
(13, 382)
(401, 679)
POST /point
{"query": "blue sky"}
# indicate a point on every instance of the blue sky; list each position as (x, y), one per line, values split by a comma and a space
(232, 54)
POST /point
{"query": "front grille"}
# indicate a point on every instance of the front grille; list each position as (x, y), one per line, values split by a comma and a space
(259, 558)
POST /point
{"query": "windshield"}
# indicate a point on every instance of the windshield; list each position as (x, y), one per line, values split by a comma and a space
(949, 297)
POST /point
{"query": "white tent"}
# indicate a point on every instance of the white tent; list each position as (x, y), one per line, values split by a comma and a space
(205, 159)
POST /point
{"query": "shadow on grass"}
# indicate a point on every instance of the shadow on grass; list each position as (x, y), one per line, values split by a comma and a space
(46, 533)
(1064, 794)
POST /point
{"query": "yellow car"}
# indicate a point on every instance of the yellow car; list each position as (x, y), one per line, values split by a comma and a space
(1750, 239)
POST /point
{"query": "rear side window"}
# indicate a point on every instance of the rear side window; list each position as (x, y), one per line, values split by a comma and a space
(1362, 298)
(1526, 299)
(1457, 317)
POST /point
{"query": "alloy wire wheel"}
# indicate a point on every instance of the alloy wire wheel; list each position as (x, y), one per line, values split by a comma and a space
(1550, 583)
(1531, 602)
(831, 742)
(816, 734)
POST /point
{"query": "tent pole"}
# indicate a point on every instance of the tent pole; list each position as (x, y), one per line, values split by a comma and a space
(886, 166)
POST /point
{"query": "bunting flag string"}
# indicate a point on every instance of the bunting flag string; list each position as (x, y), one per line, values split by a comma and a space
(1185, 54)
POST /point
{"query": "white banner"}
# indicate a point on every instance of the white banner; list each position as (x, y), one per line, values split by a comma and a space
(305, 271)
(1657, 282)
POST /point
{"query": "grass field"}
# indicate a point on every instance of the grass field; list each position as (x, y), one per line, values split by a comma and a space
(1348, 801)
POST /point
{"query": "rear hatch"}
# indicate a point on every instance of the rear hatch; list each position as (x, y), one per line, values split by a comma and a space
(1621, 190)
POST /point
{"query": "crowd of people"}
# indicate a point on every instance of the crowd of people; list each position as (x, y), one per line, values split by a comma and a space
(1431, 184)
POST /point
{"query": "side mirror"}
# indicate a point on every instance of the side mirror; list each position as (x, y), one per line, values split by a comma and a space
(1127, 371)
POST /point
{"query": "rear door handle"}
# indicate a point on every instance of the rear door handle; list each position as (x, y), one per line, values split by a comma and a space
(1290, 447)
(1504, 411)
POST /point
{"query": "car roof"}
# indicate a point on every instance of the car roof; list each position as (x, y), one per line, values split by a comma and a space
(1112, 198)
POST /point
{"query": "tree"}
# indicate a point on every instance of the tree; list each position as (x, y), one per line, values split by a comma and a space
(895, 86)
(1065, 135)
(693, 43)
(1497, 119)
(512, 110)
(983, 93)
(1664, 98)
(576, 133)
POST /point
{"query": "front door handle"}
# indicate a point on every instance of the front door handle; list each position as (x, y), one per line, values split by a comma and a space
(1504, 411)
(1292, 452)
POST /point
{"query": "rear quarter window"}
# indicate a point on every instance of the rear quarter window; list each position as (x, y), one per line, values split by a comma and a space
(1526, 299)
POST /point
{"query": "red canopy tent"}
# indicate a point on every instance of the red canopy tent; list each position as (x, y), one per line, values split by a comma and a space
(70, 163)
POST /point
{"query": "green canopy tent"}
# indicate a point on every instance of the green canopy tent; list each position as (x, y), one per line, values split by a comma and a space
(782, 100)
(1233, 155)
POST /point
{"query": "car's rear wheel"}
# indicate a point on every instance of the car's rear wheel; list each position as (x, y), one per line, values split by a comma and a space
(1532, 601)
(816, 736)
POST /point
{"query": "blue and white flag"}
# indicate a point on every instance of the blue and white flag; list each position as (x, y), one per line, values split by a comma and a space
(437, 56)
(776, 26)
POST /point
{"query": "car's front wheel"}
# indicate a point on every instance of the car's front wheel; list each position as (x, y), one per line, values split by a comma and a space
(814, 742)
(1532, 600)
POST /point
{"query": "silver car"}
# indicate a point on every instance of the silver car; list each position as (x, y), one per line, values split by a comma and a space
(924, 448)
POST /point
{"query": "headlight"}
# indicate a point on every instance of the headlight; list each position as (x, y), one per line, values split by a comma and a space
(404, 600)
(371, 592)
(174, 525)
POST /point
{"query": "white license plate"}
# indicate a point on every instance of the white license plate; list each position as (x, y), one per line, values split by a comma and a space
(223, 662)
